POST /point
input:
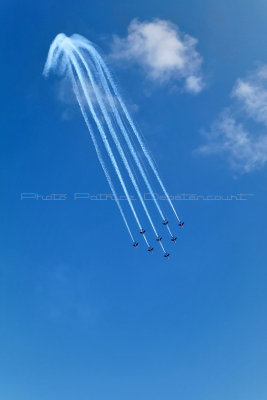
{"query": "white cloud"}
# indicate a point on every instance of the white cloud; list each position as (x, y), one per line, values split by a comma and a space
(245, 152)
(66, 96)
(194, 84)
(252, 94)
(244, 142)
(163, 51)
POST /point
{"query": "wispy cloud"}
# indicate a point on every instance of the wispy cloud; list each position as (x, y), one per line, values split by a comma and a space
(251, 94)
(65, 94)
(162, 51)
(240, 131)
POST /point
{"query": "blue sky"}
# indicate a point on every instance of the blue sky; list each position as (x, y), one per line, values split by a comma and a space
(83, 315)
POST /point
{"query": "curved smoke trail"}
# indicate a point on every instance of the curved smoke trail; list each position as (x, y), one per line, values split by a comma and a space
(124, 131)
(100, 158)
(131, 123)
(66, 55)
(54, 55)
(114, 136)
(104, 137)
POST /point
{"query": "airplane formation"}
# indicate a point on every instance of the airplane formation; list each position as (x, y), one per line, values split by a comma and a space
(159, 238)
(121, 151)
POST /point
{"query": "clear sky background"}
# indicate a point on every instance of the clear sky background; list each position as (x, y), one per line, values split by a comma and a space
(84, 315)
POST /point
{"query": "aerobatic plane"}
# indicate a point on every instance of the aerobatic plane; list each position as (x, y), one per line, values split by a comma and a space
(135, 244)
(150, 249)
(173, 239)
(142, 232)
(159, 239)
(167, 255)
(181, 224)
(165, 222)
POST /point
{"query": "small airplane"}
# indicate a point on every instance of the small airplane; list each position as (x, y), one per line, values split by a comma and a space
(167, 255)
(135, 244)
(165, 222)
(150, 249)
(173, 239)
(142, 232)
(181, 224)
(159, 239)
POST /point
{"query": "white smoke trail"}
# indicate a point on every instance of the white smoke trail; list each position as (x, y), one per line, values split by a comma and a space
(122, 127)
(151, 163)
(103, 135)
(51, 63)
(113, 134)
(69, 51)
(99, 155)
(54, 54)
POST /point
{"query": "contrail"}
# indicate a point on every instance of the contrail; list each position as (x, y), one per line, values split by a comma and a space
(103, 135)
(114, 136)
(51, 63)
(89, 77)
(100, 158)
(123, 130)
(116, 92)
